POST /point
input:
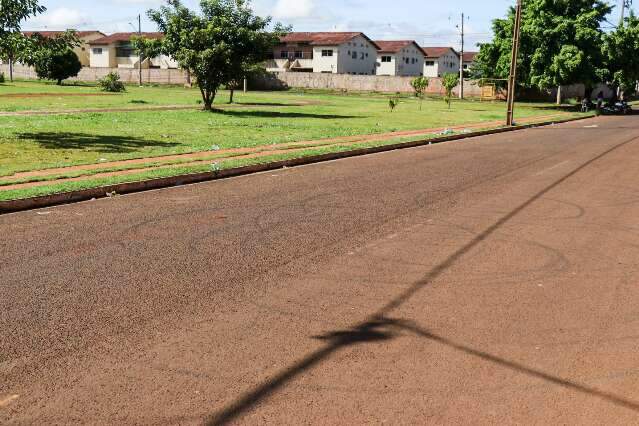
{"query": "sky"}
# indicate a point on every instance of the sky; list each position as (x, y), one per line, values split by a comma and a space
(429, 22)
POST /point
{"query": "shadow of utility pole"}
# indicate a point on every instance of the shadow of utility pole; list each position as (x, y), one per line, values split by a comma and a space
(372, 330)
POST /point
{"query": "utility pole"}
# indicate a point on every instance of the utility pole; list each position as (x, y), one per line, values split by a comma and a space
(512, 78)
(461, 61)
(625, 4)
(140, 52)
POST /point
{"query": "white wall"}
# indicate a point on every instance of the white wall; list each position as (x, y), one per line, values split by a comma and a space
(386, 68)
(104, 60)
(415, 65)
(325, 63)
(447, 63)
(366, 57)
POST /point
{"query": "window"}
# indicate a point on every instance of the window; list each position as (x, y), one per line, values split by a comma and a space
(97, 50)
(298, 54)
(284, 54)
(386, 59)
(354, 55)
(367, 54)
(429, 63)
(125, 51)
(407, 60)
(361, 56)
(326, 53)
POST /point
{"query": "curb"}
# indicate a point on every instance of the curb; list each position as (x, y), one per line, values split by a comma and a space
(13, 206)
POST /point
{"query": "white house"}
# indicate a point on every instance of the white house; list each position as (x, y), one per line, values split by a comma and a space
(325, 52)
(469, 59)
(399, 57)
(440, 61)
(81, 51)
(116, 51)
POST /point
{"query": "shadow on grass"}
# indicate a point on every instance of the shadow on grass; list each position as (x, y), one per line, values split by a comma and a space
(97, 143)
(278, 114)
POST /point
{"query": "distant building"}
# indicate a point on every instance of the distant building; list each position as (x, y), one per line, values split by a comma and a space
(469, 60)
(81, 51)
(116, 51)
(325, 52)
(440, 61)
(399, 57)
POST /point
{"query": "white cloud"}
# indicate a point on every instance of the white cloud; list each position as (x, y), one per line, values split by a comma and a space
(59, 19)
(293, 9)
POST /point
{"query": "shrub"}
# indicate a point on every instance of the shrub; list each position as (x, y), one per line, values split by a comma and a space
(449, 81)
(111, 83)
(1, 77)
(58, 65)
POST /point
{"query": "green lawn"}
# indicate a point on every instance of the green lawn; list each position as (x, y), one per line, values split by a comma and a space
(38, 142)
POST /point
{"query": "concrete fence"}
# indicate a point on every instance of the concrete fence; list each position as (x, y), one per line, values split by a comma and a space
(364, 83)
(127, 75)
(309, 80)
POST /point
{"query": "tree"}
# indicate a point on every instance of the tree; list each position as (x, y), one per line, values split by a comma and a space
(449, 81)
(12, 42)
(620, 49)
(58, 65)
(216, 45)
(560, 45)
(53, 57)
(419, 85)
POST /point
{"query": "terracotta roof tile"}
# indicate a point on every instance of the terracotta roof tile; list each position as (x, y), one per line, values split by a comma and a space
(120, 37)
(50, 34)
(436, 52)
(322, 38)
(393, 46)
(470, 56)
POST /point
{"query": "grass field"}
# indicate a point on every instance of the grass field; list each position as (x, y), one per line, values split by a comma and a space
(259, 119)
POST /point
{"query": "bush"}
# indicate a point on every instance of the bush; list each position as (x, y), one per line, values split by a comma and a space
(1, 77)
(58, 66)
(111, 83)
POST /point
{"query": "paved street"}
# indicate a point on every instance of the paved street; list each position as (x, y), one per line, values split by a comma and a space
(492, 280)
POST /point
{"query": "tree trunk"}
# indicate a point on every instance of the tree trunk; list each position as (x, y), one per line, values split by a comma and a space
(559, 95)
(11, 70)
(59, 83)
(231, 96)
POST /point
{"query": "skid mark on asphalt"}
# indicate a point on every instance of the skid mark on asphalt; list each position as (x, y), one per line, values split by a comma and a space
(374, 329)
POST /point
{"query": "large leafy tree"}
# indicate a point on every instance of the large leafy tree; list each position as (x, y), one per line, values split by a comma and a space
(12, 14)
(57, 64)
(217, 45)
(560, 44)
(620, 48)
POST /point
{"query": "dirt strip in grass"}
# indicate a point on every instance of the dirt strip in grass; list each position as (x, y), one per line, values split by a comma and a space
(202, 158)
(236, 151)
(146, 108)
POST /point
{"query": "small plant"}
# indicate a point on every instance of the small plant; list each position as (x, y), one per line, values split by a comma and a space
(111, 83)
(392, 103)
(449, 81)
(1, 78)
(419, 85)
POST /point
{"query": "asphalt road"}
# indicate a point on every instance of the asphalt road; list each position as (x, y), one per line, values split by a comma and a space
(492, 280)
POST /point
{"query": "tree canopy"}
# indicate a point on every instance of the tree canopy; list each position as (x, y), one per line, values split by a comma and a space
(217, 45)
(560, 44)
(620, 49)
(13, 12)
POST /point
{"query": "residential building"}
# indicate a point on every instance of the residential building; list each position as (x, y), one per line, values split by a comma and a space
(82, 51)
(468, 60)
(440, 61)
(116, 51)
(399, 57)
(325, 52)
